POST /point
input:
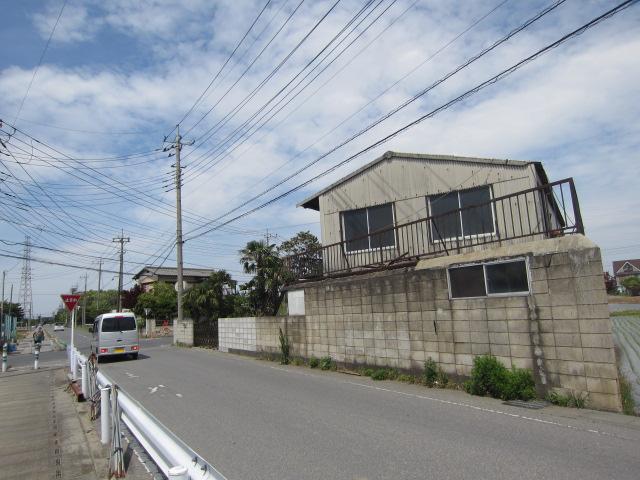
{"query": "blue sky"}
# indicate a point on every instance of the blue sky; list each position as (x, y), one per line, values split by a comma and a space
(118, 75)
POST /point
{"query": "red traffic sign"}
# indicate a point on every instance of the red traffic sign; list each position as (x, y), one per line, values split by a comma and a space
(70, 301)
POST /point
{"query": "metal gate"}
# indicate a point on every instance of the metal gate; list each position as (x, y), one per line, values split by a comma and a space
(205, 333)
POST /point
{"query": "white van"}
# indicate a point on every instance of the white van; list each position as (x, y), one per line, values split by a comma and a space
(115, 334)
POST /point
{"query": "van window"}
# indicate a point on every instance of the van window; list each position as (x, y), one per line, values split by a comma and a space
(127, 323)
(118, 324)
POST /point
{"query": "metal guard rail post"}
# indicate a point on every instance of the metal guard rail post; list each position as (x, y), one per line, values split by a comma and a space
(162, 445)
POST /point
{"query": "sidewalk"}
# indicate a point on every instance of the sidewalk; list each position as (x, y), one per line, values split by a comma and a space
(47, 435)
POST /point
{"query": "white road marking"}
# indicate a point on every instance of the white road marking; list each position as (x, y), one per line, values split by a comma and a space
(179, 395)
(153, 389)
(461, 404)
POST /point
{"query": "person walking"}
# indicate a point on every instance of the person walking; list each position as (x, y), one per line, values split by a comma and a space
(38, 335)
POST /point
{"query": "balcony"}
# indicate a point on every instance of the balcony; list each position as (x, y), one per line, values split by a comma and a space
(547, 211)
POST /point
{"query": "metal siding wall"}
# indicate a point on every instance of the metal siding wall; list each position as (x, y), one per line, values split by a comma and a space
(407, 182)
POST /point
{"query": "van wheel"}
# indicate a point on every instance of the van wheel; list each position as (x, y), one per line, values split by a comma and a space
(134, 356)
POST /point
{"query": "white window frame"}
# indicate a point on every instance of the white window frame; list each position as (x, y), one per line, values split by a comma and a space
(462, 235)
(484, 274)
(370, 249)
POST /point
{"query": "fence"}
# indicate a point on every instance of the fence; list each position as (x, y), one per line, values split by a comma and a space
(168, 451)
(205, 333)
(546, 211)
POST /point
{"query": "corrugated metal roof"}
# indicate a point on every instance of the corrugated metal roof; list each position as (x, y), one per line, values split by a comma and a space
(313, 203)
(169, 271)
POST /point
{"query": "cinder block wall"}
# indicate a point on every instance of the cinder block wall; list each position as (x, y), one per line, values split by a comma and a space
(399, 318)
(183, 331)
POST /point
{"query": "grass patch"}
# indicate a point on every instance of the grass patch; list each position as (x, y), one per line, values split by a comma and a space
(626, 394)
(327, 363)
(385, 374)
(313, 362)
(626, 313)
(297, 361)
(572, 399)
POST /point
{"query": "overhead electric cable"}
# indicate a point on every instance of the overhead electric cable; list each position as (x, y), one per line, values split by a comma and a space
(496, 78)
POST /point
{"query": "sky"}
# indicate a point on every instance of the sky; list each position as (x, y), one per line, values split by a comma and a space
(87, 165)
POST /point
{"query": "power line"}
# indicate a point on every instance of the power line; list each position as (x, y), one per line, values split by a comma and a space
(44, 51)
(395, 110)
(223, 65)
(496, 78)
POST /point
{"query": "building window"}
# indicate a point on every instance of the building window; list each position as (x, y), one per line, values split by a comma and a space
(451, 223)
(489, 279)
(360, 227)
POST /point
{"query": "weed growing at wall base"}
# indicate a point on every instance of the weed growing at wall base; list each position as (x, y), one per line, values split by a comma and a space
(285, 348)
(572, 399)
(626, 395)
(490, 377)
(313, 362)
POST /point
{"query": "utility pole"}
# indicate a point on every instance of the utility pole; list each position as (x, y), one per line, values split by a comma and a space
(99, 284)
(4, 274)
(84, 302)
(179, 222)
(177, 145)
(122, 240)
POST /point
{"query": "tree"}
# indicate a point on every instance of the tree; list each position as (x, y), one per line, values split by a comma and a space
(632, 284)
(130, 297)
(212, 298)
(302, 255)
(162, 301)
(15, 309)
(265, 288)
(610, 283)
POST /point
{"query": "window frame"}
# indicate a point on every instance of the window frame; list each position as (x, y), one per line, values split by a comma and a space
(461, 225)
(484, 272)
(370, 249)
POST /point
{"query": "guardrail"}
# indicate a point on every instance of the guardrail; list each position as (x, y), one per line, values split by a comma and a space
(173, 457)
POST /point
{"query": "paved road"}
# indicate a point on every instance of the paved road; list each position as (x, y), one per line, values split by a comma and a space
(617, 307)
(257, 420)
(82, 341)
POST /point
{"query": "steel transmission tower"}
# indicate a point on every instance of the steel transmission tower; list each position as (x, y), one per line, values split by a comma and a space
(26, 294)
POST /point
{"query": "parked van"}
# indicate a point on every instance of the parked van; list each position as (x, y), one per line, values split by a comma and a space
(115, 334)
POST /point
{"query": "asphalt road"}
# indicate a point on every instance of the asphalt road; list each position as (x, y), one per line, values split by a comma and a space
(257, 420)
(82, 341)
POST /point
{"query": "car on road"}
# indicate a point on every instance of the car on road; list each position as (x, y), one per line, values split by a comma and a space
(57, 327)
(115, 334)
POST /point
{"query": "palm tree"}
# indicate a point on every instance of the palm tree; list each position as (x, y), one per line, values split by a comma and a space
(262, 260)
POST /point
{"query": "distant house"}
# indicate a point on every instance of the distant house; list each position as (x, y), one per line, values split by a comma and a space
(149, 276)
(626, 268)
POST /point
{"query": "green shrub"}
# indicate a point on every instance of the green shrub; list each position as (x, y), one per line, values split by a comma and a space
(285, 348)
(297, 361)
(380, 374)
(519, 385)
(367, 372)
(430, 374)
(313, 362)
(403, 377)
(557, 399)
(326, 363)
(488, 377)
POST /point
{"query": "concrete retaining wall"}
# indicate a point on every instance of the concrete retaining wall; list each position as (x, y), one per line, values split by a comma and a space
(561, 330)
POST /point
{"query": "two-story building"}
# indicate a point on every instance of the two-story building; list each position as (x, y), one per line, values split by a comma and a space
(443, 257)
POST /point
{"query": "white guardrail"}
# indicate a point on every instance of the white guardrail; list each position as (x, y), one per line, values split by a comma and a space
(173, 457)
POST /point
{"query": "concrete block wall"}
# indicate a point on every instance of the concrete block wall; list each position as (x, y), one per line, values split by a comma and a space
(183, 332)
(238, 333)
(399, 318)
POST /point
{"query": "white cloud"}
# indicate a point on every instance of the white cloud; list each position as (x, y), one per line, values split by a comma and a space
(570, 109)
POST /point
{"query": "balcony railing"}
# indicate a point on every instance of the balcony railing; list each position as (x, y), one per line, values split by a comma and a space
(546, 211)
